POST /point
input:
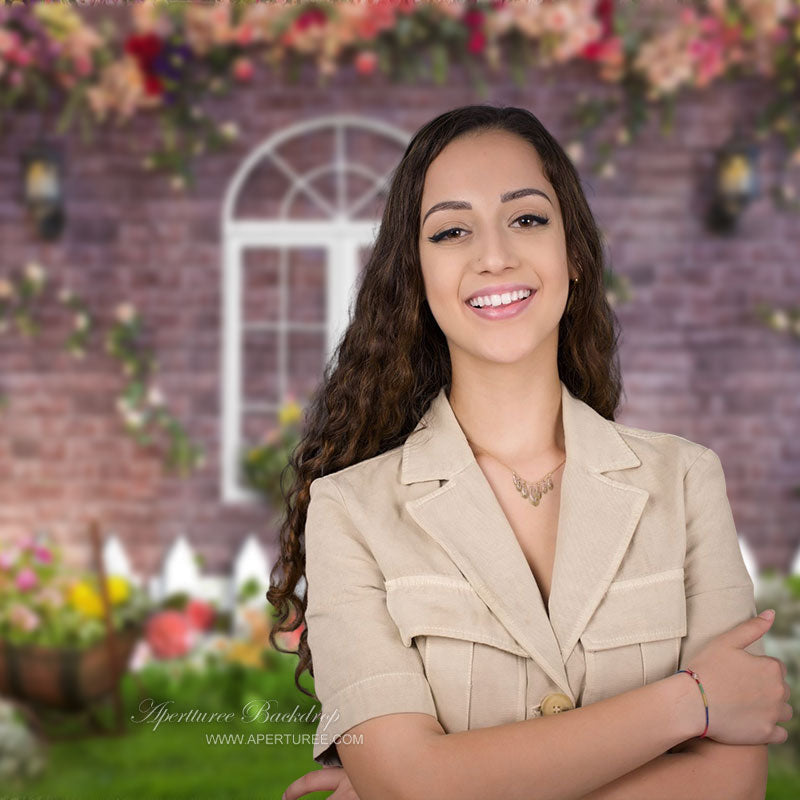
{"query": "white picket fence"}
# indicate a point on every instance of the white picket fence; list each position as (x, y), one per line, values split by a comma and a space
(180, 572)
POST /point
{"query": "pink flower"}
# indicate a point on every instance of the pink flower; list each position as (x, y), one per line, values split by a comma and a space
(243, 35)
(243, 69)
(8, 558)
(26, 579)
(23, 617)
(169, 634)
(200, 614)
(366, 61)
(42, 554)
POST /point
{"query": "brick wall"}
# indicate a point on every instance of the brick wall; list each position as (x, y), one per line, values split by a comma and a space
(694, 361)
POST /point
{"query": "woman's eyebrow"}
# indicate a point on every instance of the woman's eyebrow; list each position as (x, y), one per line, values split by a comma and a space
(461, 205)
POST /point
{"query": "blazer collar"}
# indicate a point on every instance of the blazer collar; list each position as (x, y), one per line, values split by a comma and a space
(597, 517)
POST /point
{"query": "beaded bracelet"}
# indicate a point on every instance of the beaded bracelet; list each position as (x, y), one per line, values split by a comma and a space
(696, 677)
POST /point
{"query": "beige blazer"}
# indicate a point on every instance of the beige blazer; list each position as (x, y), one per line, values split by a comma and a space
(421, 599)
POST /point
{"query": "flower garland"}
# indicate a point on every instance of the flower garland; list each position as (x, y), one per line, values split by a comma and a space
(179, 53)
(141, 403)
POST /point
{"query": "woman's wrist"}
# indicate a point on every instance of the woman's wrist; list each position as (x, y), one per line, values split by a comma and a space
(685, 699)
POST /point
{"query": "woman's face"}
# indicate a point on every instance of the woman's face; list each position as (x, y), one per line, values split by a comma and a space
(494, 242)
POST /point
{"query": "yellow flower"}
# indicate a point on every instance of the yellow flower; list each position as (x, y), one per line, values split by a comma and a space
(290, 413)
(85, 599)
(118, 589)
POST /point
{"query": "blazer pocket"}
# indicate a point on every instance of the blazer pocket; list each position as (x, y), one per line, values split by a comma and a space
(634, 636)
(475, 668)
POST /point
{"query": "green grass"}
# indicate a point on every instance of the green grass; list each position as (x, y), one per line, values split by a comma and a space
(174, 761)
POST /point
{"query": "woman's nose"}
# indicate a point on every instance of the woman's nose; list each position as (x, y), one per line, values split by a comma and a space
(494, 251)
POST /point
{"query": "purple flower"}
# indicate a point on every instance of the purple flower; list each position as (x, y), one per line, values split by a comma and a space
(26, 579)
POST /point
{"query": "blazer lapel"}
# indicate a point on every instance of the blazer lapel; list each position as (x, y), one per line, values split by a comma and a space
(597, 518)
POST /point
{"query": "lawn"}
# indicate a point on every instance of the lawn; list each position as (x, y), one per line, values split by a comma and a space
(175, 759)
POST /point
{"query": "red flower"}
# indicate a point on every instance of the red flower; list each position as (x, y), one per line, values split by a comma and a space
(366, 61)
(477, 42)
(473, 18)
(169, 634)
(314, 16)
(200, 614)
(144, 48)
(605, 13)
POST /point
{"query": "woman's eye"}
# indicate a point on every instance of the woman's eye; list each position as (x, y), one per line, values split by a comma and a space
(536, 217)
(444, 235)
(540, 220)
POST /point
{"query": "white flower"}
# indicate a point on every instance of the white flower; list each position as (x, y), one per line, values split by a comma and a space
(65, 295)
(178, 182)
(779, 320)
(196, 112)
(608, 170)
(6, 289)
(230, 130)
(575, 152)
(154, 396)
(125, 312)
(122, 405)
(134, 418)
(148, 162)
(81, 321)
(623, 135)
(34, 273)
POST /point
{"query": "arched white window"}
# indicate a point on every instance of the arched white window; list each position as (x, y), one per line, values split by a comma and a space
(299, 219)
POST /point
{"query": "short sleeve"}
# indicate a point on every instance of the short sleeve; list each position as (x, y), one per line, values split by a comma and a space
(719, 590)
(362, 669)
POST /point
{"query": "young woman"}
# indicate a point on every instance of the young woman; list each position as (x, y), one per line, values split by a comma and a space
(484, 547)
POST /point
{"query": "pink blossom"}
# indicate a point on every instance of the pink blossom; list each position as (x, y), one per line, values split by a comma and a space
(8, 558)
(26, 579)
(169, 634)
(243, 36)
(42, 554)
(243, 69)
(24, 618)
(200, 614)
(366, 61)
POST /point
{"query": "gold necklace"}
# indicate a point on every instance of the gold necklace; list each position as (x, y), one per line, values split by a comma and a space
(530, 491)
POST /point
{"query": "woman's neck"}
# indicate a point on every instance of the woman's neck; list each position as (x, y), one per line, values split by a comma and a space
(520, 425)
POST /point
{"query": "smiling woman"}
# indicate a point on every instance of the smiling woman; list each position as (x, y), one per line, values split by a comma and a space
(455, 609)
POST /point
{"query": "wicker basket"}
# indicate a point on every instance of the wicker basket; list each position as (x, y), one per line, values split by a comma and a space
(64, 678)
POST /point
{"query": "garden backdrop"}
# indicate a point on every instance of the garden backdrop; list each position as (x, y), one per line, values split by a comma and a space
(190, 191)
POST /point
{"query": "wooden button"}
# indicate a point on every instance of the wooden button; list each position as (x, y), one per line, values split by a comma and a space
(556, 703)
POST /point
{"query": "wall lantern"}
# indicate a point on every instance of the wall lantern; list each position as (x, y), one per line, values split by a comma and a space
(42, 169)
(735, 183)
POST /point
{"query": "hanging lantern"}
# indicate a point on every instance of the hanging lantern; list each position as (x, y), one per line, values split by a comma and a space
(735, 183)
(41, 165)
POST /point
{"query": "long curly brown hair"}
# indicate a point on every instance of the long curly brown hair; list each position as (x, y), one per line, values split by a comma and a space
(393, 358)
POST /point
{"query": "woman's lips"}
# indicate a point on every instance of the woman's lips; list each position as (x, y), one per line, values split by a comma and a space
(503, 312)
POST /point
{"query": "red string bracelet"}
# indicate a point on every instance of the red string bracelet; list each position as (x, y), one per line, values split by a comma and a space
(691, 673)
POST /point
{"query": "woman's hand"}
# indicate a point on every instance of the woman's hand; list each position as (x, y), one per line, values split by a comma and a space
(322, 780)
(748, 695)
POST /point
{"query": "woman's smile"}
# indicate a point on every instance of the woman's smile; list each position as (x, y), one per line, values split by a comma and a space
(499, 308)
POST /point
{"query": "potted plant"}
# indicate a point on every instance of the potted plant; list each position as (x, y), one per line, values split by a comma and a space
(54, 635)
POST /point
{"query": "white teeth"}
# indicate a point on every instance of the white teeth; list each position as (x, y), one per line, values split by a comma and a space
(499, 299)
